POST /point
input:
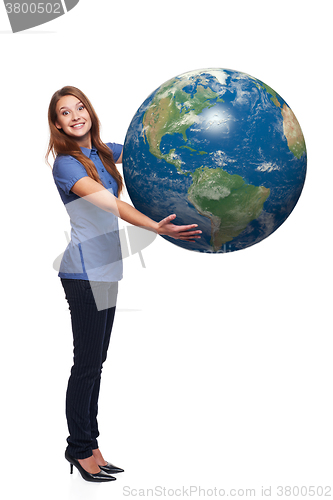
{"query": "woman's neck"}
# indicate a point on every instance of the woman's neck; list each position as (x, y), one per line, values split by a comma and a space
(85, 144)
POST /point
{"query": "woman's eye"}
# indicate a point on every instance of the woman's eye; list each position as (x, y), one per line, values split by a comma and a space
(81, 107)
(65, 112)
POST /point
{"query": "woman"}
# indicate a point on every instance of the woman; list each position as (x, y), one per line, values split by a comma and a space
(89, 184)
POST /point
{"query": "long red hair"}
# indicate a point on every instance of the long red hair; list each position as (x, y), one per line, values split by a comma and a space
(61, 143)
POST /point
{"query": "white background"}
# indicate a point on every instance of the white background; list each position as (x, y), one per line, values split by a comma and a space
(219, 371)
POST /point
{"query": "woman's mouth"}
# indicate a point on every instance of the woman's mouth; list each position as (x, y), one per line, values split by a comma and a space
(78, 125)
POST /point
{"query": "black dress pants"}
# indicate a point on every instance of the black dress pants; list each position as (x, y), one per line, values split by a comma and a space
(92, 306)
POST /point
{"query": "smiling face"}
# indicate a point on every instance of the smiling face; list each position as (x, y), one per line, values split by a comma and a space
(74, 119)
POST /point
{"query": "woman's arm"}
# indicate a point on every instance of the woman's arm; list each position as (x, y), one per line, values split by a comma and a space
(120, 159)
(95, 193)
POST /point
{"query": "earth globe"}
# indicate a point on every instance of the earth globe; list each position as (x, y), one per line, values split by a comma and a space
(218, 148)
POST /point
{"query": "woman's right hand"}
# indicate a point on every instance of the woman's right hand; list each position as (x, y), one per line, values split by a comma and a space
(166, 228)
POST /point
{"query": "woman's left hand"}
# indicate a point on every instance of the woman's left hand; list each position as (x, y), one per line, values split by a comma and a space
(166, 228)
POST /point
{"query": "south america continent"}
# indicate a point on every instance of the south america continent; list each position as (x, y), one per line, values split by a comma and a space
(227, 201)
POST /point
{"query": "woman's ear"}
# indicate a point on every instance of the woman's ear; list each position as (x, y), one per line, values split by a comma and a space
(57, 125)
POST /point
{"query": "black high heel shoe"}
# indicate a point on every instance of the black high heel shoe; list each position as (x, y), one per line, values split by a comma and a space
(100, 477)
(110, 469)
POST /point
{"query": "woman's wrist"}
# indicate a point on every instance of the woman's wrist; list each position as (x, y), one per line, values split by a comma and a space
(155, 226)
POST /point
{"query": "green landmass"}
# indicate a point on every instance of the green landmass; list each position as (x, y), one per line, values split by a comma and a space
(298, 149)
(227, 201)
(194, 150)
(188, 147)
(173, 111)
(272, 92)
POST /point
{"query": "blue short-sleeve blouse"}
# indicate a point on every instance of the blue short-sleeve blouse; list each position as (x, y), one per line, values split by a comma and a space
(94, 251)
